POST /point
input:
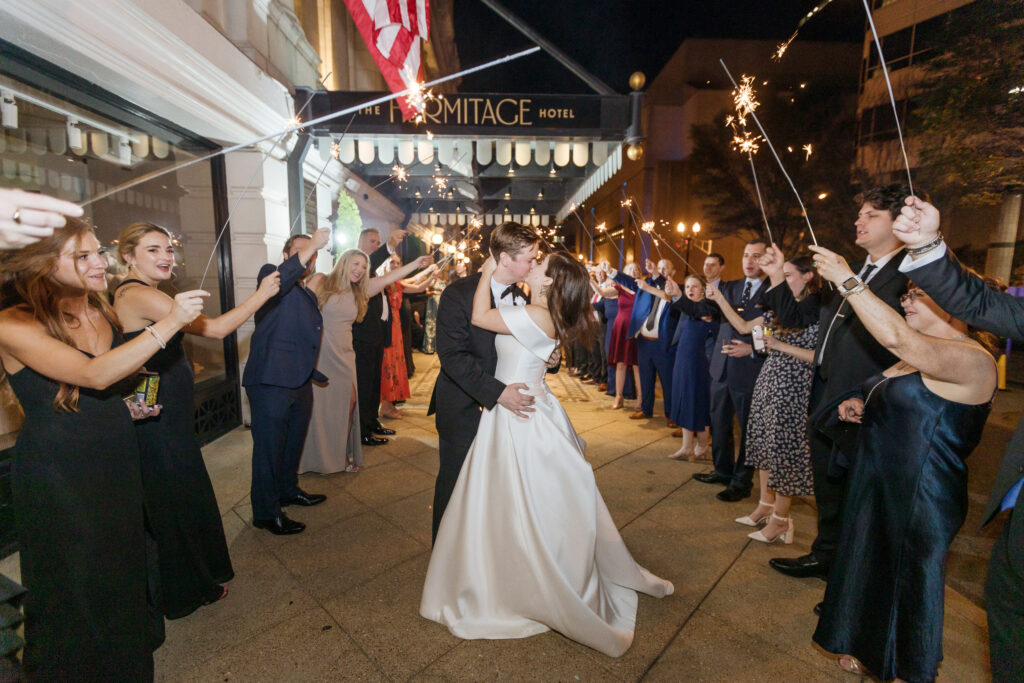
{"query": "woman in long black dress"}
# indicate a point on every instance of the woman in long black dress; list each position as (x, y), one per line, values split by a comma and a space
(183, 513)
(75, 478)
(907, 499)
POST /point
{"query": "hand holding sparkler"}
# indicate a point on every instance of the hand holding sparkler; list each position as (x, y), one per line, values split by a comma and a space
(918, 224)
(396, 237)
(771, 264)
(713, 293)
(831, 266)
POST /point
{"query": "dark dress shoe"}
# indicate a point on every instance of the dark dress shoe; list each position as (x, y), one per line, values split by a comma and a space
(304, 499)
(383, 431)
(733, 494)
(712, 478)
(373, 440)
(280, 525)
(800, 567)
(817, 608)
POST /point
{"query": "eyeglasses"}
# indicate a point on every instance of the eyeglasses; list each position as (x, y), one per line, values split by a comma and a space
(912, 296)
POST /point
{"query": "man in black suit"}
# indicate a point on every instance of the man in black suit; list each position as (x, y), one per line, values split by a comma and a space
(734, 369)
(966, 297)
(277, 379)
(370, 337)
(845, 357)
(466, 384)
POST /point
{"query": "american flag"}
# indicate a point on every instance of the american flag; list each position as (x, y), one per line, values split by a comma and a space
(393, 30)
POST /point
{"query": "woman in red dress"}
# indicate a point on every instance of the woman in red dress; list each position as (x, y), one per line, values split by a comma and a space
(622, 348)
(394, 374)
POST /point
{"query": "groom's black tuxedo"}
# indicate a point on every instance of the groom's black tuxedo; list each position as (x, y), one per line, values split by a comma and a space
(464, 387)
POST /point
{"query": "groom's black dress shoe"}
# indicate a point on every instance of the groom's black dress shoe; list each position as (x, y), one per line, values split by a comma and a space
(712, 478)
(800, 567)
(383, 431)
(373, 440)
(304, 499)
(280, 525)
(733, 494)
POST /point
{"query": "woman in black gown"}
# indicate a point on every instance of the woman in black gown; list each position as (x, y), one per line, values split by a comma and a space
(907, 497)
(180, 502)
(75, 479)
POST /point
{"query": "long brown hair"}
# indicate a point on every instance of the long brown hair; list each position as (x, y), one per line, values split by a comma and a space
(339, 282)
(569, 300)
(29, 272)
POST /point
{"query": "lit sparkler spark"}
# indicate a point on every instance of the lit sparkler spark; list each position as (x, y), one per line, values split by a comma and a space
(626, 202)
(781, 49)
(743, 98)
(336, 150)
(807, 148)
(441, 183)
(647, 226)
(601, 227)
(475, 222)
(399, 173)
(747, 143)
(430, 136)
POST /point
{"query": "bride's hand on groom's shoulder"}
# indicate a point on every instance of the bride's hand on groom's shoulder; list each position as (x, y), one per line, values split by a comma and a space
(515, 400)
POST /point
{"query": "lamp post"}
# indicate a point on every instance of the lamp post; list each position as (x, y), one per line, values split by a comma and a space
(694, 231)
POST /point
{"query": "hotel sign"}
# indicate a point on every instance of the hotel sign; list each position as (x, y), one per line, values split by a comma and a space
(605, 117)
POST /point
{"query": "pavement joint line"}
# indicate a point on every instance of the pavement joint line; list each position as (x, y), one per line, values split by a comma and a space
(695, 609)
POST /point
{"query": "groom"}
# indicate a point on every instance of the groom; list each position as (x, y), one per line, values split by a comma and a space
(466, 383)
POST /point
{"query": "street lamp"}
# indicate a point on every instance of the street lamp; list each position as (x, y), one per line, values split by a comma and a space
(694, 230)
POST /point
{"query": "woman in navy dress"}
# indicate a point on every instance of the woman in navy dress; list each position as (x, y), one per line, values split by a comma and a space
(691, 379)
(907, 499)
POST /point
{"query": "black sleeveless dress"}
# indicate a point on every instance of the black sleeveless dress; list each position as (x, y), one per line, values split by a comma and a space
(180, 502)
(77, 492)
(907, 499)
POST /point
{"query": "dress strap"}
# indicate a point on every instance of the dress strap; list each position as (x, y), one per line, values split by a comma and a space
(527, 332)
(128, 281)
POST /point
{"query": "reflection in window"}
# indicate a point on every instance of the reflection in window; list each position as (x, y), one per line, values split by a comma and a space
(74, 154)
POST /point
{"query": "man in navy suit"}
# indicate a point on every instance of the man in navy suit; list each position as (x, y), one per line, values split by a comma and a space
(655, 352)
(734, 369)
(277, 379)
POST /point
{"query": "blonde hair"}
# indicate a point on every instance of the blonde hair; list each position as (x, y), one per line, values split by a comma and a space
(132, 235)
(338, 281)
(29, 271)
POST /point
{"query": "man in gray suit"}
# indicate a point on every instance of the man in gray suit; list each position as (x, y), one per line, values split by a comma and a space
(964, 295)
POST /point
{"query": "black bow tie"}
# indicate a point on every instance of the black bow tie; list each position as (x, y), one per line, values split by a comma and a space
(514, 291)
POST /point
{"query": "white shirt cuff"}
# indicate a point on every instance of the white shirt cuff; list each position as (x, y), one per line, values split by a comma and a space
(909, 264)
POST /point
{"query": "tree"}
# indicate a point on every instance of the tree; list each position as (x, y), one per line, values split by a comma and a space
(970, 106)
(349, 223)
(819, 116)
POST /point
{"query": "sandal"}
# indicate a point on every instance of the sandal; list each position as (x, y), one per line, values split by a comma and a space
(850, 664)
(351, 467)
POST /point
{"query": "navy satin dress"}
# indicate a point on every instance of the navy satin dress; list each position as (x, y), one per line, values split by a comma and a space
(907, 499)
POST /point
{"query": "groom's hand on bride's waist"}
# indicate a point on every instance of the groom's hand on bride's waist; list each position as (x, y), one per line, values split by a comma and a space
(515, 400)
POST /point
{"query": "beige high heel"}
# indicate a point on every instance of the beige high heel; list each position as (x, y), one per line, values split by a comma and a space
(786, 536)
(750, 521)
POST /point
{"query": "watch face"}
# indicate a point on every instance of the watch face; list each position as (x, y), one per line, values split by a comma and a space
(849, 283)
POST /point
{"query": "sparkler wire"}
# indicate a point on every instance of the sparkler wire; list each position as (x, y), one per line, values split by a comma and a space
(760, 202)
(327, 117)
(776, 155)
(892, 97)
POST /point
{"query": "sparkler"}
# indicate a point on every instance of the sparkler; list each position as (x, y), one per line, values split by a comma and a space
(781, 49)
(892, 97)
(774, 154)
(291, 129)
(807, 148)
(745, 141)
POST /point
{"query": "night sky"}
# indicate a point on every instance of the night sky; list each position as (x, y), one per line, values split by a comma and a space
(613, 38)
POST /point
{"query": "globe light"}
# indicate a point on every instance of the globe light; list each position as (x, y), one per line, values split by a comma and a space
(695, 228)
(437, 238)
(680, 227)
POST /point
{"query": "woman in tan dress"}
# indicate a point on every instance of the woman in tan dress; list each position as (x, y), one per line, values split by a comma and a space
(332, 442)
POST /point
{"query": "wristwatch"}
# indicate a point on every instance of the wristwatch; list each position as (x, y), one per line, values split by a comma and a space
(851, 285)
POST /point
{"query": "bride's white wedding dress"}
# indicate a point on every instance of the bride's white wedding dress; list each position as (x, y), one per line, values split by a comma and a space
(526, 543)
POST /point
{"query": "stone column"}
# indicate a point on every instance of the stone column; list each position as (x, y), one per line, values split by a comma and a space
(999, 260)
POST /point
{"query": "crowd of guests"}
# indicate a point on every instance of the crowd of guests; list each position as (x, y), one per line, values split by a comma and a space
(855, 385)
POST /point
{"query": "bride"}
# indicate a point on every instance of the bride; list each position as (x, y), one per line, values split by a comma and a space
(526, 543)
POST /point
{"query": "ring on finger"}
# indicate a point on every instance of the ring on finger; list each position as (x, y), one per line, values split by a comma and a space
(16, 216)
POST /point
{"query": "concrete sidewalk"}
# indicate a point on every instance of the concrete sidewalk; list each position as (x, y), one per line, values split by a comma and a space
(340, 601)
